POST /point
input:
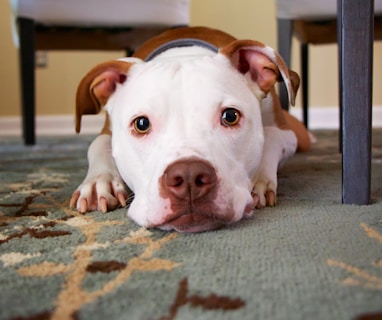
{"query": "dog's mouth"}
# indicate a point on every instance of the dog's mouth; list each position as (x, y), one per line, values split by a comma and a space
(193, 222)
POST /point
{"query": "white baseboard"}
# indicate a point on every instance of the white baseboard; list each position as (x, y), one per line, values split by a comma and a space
(319, 118)
(328, 117)
(53, 125)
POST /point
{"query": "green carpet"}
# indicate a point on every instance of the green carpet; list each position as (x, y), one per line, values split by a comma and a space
(310, 257)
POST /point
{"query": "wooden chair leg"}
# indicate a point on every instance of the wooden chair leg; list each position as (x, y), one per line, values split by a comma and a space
(356, 21)
(129, 52)
(27, 75)
(304, 82)
(284, 39)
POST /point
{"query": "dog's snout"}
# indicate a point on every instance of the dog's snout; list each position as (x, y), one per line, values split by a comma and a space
(189, 179)
(191, 186)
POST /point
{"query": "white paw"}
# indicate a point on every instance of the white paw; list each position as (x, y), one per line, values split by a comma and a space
(103, 192)
(264, 193)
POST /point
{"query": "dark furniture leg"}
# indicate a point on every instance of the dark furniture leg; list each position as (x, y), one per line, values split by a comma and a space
(27, 75)
(304, 81)
(284, 34)
(356, 41)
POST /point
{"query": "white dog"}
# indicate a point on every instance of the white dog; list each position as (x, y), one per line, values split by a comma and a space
(194, 128)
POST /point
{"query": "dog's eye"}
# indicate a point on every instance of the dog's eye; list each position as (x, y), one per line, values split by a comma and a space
(141, 125)
(230, 117)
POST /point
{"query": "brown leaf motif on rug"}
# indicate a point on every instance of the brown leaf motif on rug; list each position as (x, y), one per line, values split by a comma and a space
(33, 207)
(26, 213)
(72, 296)
(210, 302)
(18, 199)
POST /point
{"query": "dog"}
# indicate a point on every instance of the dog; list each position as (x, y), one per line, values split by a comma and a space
(194, 128)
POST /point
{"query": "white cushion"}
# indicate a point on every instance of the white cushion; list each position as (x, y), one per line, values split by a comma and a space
(312, 9)
(104, 12)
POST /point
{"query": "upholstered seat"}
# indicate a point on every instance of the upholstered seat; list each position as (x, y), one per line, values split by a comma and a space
(112, 13)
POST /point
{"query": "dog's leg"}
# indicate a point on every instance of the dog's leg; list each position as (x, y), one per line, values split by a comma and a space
(103, 188)
(279, 145)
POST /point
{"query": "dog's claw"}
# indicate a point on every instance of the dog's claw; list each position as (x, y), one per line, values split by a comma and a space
(256, 200)
(103, 205)
(122, 198)
(270, 198)
(74, 199)
(264, 194)
(83, 206)
(103, 192)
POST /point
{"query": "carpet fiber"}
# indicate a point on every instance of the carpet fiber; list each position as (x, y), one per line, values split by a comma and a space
(310, 257)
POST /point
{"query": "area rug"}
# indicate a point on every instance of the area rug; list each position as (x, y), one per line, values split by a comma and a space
(310, 257)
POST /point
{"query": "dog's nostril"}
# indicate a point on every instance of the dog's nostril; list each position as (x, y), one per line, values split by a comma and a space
(177, 182)
(189, 178)
(201, 180)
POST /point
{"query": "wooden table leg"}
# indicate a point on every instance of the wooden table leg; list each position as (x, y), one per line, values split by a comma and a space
(356, 21)
(284, 47)
(27, 75)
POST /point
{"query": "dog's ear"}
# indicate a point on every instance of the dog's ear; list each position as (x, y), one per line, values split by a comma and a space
(98, 85)
(294, 80)
(265, 65)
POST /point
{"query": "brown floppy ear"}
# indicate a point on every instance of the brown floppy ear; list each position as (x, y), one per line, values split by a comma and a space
(295, 81)
(265, 65)
(97, 86)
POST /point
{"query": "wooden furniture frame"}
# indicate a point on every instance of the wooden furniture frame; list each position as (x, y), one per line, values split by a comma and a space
(34, 36)
(352, 29)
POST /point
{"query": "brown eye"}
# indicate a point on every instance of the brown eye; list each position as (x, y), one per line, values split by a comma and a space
(142, 125)
(230, 117)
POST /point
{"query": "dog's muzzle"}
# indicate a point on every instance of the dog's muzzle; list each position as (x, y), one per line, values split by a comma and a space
(191, 185)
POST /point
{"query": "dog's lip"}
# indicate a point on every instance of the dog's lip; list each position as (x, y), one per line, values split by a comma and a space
(194, 222)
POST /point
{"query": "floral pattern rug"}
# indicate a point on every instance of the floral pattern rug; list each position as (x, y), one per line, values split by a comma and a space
(310, 257)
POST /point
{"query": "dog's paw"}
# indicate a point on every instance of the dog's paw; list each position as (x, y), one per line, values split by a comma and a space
(264, 193)
(104, 192)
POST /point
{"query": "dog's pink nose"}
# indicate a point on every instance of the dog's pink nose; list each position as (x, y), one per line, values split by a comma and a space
(189, 179)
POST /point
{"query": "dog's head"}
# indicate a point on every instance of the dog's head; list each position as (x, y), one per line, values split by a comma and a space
(187, 135)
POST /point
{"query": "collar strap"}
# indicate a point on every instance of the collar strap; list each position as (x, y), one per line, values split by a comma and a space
(186, 42)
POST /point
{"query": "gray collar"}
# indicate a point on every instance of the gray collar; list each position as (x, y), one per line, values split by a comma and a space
(186, 42)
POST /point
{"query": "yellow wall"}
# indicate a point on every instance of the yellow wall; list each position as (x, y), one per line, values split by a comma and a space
(56, 85)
